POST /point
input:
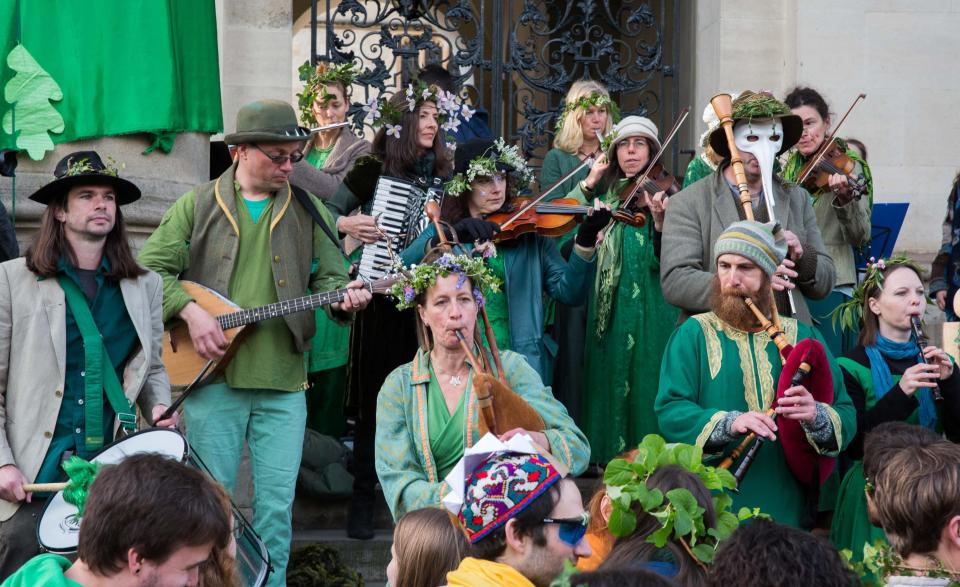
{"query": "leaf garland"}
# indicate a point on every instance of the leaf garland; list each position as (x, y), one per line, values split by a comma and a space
(418, 278)
(881, 561)
(849, 313)
(585, 102)
(315, 81)
(30, 93)
(486, 166)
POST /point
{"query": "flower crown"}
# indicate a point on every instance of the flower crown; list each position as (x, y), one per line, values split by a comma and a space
(418, 278)
(381, 112)
(585, 102)
(849, 313)
(486, 166)
(677, 510)
(315, 80)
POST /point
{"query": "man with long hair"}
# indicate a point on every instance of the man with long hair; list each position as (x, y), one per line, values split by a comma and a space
(720, 372)
(80, 340)
(249, 236)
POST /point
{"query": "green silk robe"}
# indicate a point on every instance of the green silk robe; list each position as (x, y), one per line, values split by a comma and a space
(710, 368)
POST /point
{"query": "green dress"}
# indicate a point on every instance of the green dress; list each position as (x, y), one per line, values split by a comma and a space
(709, 369)
(556, 164)
(628, 325)
(445, 429)
(327, 358)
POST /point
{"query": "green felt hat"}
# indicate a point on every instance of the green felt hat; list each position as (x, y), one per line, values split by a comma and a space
(267, 121)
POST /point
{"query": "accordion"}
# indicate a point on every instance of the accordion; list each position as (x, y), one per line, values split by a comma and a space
(398, 206)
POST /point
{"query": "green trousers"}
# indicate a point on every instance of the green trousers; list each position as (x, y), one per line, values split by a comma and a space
(219, 419)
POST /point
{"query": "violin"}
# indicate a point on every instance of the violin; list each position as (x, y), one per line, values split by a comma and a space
(834, 161)
(830, 159)
(555, 218)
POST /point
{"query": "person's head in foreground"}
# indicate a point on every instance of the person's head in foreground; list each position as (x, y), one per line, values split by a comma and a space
(426, 546)
(149, 521)
(620, 578)
(917, 500)
(520, 517)
(766, 553)
(747, 254)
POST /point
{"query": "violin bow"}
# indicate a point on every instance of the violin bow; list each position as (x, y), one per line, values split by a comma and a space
(663, 147)
(432, 210)
(812, 164)
(588, 162)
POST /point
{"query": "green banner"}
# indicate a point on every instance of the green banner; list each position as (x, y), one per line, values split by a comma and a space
(123, 66)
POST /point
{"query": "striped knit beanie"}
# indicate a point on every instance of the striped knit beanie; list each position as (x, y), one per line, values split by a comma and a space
(753, 240)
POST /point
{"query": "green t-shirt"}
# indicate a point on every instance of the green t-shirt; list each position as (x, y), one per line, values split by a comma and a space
(45, 570)
(445, 429)
(318, 156)
(256, 207)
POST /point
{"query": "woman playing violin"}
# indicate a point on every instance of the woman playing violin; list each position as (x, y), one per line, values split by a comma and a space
(628, 321)
(427, 411)
(842, 206)
(486, 177)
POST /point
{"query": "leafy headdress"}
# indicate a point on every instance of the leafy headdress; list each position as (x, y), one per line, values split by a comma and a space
(383, 112)
(584, 104)
(498, 157)
(850, 313)
(680, 516)
(751, 105)
(418, 278)
(315, 81)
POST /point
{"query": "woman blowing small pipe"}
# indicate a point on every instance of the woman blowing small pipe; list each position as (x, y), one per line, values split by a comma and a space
(427, 410)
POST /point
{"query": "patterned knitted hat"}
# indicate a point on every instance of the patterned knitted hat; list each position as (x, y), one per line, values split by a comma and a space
(501, 487)
(753, 240)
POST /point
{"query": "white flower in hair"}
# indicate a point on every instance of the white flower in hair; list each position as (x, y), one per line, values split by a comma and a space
(393, 130)
(467, 112)
(372, 109)
(452, 145)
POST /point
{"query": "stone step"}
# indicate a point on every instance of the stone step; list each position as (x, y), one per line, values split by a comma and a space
(331, 514)
(369, 557)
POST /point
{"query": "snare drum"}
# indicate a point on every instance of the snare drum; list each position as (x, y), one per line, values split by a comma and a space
(59, 527)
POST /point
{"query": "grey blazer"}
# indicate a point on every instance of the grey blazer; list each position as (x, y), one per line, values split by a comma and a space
(325, 181)
(697, 215)
(33, 341)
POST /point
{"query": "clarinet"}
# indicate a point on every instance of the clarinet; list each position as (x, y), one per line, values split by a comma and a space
(802, 371)
(922, 342)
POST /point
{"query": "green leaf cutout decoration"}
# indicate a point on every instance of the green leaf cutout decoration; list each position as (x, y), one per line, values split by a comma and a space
(30, 92)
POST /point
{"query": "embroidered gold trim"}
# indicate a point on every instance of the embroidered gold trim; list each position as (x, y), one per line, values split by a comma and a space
(424, 437)
(223, 206)
(837, 430)
(708, 428)
(712, 341)
(283, 210)
(768, 388)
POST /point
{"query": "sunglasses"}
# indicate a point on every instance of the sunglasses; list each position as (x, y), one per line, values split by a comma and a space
(280, 159)
(572, 530)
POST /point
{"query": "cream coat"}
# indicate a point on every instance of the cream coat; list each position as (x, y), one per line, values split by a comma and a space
(33, 342)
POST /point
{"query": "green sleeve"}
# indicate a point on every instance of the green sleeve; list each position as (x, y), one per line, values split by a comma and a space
(567, 442)
(331, 271)
(402, 473)
(167, 252)
(680, 416)
(550, 171)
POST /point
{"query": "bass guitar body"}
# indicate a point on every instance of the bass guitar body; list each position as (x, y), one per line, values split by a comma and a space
(182, 361)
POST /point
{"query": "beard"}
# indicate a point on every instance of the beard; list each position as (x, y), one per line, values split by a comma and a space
(729, 306)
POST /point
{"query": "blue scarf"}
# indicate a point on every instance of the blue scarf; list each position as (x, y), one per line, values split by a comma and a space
(883, 379)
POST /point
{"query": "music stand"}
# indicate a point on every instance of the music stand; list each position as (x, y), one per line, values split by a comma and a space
(885, 224)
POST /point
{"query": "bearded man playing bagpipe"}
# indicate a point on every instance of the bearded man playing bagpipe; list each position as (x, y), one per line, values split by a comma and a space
(743, 370)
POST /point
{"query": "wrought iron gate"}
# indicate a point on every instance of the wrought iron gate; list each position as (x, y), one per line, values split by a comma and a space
(515, 58)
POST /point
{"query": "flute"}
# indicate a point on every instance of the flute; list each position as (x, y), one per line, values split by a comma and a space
(922, 342)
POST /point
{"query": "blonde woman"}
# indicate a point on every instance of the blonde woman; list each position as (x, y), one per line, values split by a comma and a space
(426, 546)
(587, 111)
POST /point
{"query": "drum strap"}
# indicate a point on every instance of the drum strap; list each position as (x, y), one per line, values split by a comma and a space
(99, 375)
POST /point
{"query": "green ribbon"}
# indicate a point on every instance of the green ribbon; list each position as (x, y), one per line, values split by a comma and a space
(99, 375)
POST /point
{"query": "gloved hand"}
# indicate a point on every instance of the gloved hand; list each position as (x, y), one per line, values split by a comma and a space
(476, 229)
(591, 227)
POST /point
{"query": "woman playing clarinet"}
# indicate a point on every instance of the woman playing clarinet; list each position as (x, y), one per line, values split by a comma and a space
(888, 382)
(427, 411)
(408, 146)
(628, 321)
(486, 179)
(842, 207)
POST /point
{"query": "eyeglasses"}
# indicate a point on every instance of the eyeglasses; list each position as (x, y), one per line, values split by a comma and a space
(572, 530)
(635, 143)
(280, 159)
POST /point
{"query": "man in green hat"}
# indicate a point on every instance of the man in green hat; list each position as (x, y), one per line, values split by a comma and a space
(80, 340)
(763, 129)
(247, 236)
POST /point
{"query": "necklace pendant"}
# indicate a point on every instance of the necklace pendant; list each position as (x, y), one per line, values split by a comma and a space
(456, 379)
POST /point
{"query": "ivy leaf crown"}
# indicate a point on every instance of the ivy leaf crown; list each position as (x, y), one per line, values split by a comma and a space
(417, 278)
(381, 112)
(680, 516)
(486, 165)
(849, 313)
(315, 81)
(83, 167)
(585, 102)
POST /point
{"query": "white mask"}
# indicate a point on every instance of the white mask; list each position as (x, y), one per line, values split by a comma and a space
(763, 140)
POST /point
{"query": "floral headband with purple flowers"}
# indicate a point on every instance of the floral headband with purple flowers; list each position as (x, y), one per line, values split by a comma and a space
(418, 278)
(848, 314)
(450, 110)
